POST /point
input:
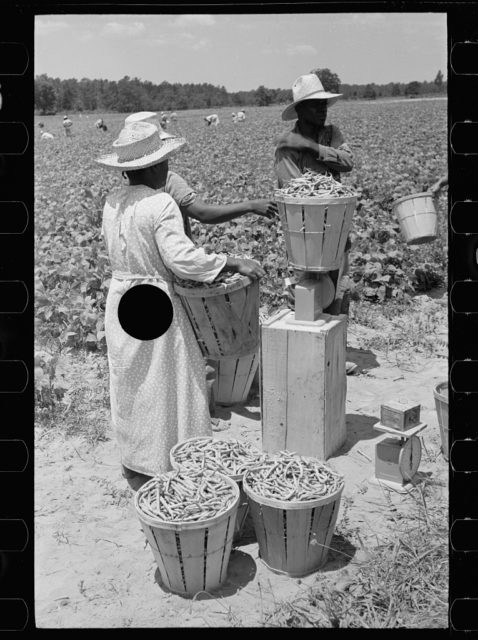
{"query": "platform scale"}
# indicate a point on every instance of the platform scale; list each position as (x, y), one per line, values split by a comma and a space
(303, 381)
(398, 456)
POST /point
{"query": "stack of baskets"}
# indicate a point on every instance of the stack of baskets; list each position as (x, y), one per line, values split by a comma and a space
(224, 316)
(234, 378)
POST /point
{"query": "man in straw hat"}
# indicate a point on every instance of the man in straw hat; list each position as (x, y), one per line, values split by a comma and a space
(157, 386)
(192, 206)
(313, 145)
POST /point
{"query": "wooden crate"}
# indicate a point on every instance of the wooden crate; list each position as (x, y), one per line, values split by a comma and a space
(400, 415)
(315, 230)
(303, 385)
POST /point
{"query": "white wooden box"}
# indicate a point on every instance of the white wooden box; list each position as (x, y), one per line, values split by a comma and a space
(303, 384)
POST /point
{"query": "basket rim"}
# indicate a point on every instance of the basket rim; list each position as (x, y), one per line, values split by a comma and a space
(292, 505)
(412, 196)
(314, 200)
(438, 388)
(213, 290)
(189, 525)
(177, 466)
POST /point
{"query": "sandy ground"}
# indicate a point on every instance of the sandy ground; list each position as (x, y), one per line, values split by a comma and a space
(93, 569)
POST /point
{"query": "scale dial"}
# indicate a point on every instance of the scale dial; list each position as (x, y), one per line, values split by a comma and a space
(409, 459)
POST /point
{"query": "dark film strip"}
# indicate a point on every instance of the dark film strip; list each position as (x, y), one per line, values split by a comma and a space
(463, 314)
(16, 319)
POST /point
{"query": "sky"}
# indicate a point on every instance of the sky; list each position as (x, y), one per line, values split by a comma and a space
(243, 51)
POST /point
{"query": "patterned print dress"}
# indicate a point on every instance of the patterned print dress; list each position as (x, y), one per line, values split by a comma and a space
(157, 387)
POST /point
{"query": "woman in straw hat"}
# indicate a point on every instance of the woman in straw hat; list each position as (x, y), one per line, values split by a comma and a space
(313, 145)
(192, 206)
(157, 387)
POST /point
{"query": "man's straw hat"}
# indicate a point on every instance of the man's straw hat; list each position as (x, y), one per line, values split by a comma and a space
(148, 116)
(308, 87)
(138, 146)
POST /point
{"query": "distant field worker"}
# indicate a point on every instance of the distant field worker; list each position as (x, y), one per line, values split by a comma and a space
(100, 125)
(173, 117)
(157, 387)
(213, 119)
(241, 115)
(67, 125)
(320, 148)
(164, 120)
(192, 206)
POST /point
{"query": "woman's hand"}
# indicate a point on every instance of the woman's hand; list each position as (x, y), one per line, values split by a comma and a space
(265, 208)
(245, 266)
(438, 186)
(294, 140)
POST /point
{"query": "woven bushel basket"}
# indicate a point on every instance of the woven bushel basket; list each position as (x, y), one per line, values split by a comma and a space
(294, 536)
(316, 230)
(224, 317)
(192, 556)
(234, 378)
(243, 505)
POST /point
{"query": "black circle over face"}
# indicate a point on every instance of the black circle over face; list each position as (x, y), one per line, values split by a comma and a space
(313, 111)
(145, 312)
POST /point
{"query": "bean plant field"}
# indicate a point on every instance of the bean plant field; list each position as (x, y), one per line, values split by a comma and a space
(399, 147)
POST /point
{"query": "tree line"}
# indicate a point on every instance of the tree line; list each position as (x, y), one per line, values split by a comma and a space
(132, 94)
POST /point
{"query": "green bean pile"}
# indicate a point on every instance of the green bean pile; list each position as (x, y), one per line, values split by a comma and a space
(222, 278)
(288, 477)
(230, 457)
(178, 496)
(312, 184)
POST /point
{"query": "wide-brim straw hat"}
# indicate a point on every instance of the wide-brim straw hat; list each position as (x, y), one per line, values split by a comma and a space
(139, 146)
(308, 87)
(148, 116)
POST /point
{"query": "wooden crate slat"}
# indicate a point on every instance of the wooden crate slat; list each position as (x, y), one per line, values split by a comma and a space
(303, 407)
(224, 382)
(346, 226)
(335, 390)
(273, 364)
(219, 547)
(297, 539)
(314, 217)
(201, 319)
(297, 247)
(259, 529)
(192, 550)
(295, 217)
(285, 227)
(335, 217)
(276, 542)
(314, 234)
(164, 542)
(242, 378)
